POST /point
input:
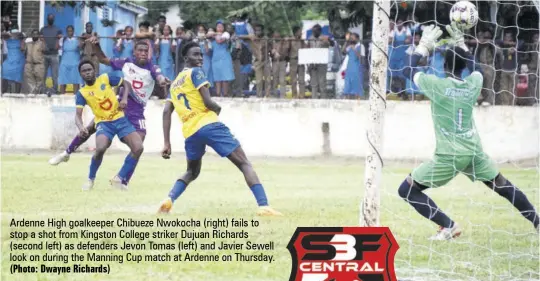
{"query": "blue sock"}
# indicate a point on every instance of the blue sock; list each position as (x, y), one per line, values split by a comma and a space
(129, 166)
(177, 190)
(130, 174)
(94, 166)
(260, 195)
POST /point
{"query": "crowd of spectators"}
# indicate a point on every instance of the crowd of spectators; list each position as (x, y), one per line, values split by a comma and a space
(239, 52)
(510, 65)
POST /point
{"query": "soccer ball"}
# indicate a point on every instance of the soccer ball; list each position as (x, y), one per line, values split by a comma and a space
(464, 14)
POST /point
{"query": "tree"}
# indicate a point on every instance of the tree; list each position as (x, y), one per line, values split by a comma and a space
(340, 14)
(155, 9)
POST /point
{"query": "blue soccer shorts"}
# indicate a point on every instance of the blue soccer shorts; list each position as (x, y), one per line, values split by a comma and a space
(120, 127)
(216, 135)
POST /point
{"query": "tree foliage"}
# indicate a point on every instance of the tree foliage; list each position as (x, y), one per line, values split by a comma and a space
(155, 9)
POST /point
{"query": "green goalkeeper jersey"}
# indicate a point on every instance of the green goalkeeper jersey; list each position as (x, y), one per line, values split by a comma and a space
(452, 103)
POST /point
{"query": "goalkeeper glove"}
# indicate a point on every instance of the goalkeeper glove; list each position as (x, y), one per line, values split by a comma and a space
(428, 40)
(456, 37)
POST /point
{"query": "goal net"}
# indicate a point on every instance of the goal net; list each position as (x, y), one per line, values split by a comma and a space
(497, 242)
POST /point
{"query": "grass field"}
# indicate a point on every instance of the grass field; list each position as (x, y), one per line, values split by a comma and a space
(498, 244)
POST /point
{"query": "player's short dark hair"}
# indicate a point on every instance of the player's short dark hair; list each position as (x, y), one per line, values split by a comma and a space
(144, 24)
(162, 17)
(83, 62)
(140, 42)
(455, 60)
(296, 28)
(188, 46)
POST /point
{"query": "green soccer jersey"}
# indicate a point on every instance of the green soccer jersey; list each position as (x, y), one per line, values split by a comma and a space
(452, 103)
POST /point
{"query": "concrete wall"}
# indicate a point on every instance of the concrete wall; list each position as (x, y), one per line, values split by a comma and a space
(285, 128)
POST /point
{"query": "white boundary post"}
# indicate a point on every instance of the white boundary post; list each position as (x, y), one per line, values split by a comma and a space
(369, 210)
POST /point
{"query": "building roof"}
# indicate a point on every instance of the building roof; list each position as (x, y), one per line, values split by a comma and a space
(137, 9)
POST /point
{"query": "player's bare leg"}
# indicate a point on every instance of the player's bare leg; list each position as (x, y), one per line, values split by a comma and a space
(73, 146)
(135, 144)
(239, 159)
(412, 192)
(128, 177)
(102, 144)
(514, 195)
(191, 174)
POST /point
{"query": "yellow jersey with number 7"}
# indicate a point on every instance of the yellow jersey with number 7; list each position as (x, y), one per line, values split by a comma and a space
(188, 102)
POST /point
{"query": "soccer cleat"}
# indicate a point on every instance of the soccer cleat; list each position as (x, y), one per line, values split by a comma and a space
(165, 206)
(88, 185)
(116, 182)
(268, 211)
(62, 157)
(447, 233)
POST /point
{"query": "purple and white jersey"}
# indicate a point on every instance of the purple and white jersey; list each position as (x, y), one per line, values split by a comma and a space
(142, 79)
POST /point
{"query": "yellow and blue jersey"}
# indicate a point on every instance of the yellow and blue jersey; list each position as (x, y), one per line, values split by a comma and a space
(188, 102)
(101, 98)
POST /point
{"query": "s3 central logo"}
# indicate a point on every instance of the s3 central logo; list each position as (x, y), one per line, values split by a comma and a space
(106, 104)
(343, 254)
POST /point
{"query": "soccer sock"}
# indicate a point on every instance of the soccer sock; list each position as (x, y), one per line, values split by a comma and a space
(75, 143)
(423, 204)
(129, 166)
(130, 174)
(94, 166)
(515, 196)
(177, 190)
(260, 195)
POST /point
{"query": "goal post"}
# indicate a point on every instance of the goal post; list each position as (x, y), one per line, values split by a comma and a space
(370, 208)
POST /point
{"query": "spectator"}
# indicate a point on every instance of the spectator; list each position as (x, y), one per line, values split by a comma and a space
(317, 72)
(260, 47)
(236, 52)
(297, 71)
(509, 69)
(69, 72)
(125, 44)
(158, 29)
(400, 39)
(354, 73)
(34, 70)
(207, 53)
(222, 67)
(183, 36)
(242, 60)
(488, 57)
(415, 27)
(117, 40)
(165, 46)
(52, 35)
(148, 36)
(13, 66)
(87, 47)
(280, 49)
(532, 50)
(522, 86)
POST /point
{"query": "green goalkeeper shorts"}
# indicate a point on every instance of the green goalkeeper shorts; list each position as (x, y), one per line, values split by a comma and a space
(443, 168)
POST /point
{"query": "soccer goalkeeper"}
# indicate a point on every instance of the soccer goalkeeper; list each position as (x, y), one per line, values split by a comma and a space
(458, 146)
